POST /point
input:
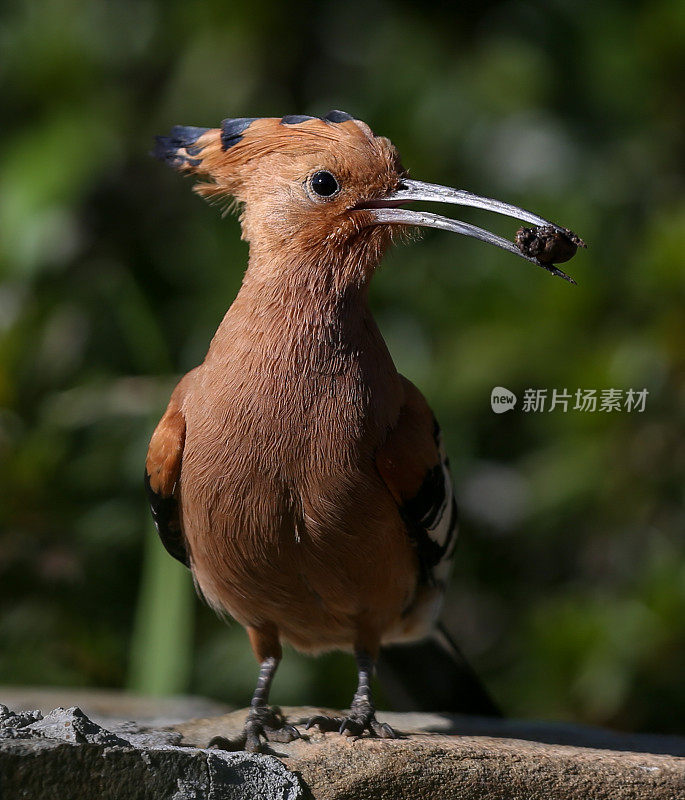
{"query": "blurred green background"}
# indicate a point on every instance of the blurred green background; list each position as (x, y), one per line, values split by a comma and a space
(569, 589)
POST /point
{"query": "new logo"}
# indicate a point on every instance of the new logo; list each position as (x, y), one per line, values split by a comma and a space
(502, 400)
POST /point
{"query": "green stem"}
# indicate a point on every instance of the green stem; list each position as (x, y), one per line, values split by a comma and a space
(161, 644)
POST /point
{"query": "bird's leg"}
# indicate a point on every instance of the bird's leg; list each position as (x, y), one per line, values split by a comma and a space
(362, 716)
(263, 721)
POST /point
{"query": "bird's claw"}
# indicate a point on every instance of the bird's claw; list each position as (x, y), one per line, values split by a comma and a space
(264, 723)
(354, 724)
(383, 730)
(324, 724)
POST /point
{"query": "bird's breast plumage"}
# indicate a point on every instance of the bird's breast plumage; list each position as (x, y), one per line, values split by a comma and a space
(279, 487)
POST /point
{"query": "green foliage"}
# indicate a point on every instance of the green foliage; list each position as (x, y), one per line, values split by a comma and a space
(569, 589)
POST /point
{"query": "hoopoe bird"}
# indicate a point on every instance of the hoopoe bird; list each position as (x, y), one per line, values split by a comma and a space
(300, 477)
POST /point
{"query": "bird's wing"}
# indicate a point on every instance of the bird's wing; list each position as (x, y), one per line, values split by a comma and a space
(413, 464)
(162, 471)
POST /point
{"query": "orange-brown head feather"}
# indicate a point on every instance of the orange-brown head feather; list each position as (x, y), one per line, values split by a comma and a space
(266, 165)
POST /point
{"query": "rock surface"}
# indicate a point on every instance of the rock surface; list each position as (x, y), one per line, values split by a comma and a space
(66, 754)
(443, 756)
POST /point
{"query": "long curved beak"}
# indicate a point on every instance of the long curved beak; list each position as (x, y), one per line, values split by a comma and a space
(386, 210)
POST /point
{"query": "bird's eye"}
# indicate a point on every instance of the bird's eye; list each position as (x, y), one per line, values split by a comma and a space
(324, 184)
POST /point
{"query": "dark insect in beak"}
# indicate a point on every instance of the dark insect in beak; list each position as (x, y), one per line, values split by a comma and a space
(547, 244)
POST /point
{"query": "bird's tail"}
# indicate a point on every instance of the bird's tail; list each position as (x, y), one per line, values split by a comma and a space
(433, 675)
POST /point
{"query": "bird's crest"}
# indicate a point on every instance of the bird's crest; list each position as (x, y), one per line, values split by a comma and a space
(221, 154)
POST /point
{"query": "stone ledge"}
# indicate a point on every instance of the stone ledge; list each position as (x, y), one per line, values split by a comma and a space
(68, 755)
(446, 756)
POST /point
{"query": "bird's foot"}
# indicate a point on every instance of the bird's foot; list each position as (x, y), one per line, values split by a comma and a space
(263, 723)
(362, 717)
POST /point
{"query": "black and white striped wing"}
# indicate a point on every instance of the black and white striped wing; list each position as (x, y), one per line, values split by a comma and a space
(415, 468)
(431, 518)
